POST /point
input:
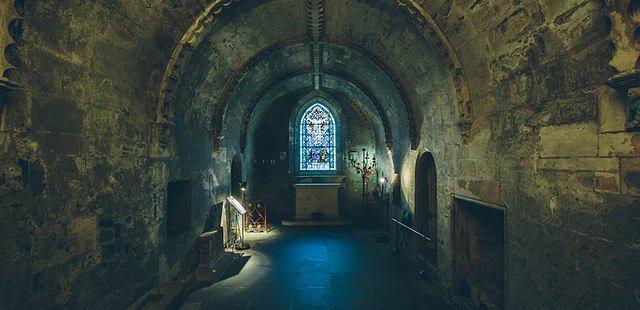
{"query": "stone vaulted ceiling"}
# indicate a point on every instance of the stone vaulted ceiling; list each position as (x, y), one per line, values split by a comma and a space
(229, 60)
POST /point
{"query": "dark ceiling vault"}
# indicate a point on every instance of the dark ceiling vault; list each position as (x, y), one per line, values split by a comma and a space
(318, 34)
(244, 74)
(250, 113)
(315, 17)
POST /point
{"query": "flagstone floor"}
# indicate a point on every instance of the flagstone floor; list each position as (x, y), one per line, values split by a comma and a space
(319, 268)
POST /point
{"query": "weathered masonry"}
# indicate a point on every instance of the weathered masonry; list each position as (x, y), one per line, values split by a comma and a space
(509, 132)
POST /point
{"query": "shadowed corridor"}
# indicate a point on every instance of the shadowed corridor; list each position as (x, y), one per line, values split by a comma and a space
(140, 139)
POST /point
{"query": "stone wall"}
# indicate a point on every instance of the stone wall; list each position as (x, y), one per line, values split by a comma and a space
(82, 191)
(81, 203)
(549, 142)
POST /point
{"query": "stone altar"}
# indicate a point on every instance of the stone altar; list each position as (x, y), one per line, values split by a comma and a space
(319, 196)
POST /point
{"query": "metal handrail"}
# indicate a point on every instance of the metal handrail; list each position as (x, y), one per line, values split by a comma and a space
(412, 230)
(397, 248)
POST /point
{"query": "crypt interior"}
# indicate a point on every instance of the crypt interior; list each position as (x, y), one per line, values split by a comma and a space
(331, 154)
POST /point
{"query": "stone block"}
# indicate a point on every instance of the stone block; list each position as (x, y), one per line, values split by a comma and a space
(552, 8)
(574, 24)
(520, 22)
(46, 116)
(83, 231)
(619, 144)
(53, 144)
(607, 182)
(317, 198)
(570, 181)
(467, 168)
(579, 164)
(597, 164)
(574, 140)
(486, 190)
(630, 175)
(582, 71)
(611, 110)
(572, 110)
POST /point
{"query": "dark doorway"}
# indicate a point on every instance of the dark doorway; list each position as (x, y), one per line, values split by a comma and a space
(236, 176)
(426, 204)
(479, 253)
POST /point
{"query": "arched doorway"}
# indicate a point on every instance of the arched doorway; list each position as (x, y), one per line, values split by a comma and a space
(426, 204)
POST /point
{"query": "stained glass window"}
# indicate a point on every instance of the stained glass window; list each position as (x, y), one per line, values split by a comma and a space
(317, 139)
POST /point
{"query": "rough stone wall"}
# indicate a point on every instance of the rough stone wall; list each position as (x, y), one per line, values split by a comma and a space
(548, 142)
(81, 203)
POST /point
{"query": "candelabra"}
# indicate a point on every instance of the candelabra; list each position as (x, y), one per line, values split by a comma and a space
(366, 167)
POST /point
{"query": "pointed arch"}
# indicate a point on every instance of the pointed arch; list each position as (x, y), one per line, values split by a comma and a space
(317, 138)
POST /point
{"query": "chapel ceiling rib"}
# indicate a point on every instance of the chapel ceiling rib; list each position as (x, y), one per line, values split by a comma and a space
(315, 21)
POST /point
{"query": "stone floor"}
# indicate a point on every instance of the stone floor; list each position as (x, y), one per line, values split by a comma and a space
(319, 268)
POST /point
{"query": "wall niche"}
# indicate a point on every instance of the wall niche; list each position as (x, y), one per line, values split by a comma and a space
(178, 207)
(479, 247)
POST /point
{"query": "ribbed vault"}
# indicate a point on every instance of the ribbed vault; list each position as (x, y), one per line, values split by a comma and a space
(231, 65)
(333, 84)
(366, 82)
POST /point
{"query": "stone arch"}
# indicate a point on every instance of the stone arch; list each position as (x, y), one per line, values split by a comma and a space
(218, 117)
(220, 110)
(414, 132)
(449, 55)
(249, 113)
(163, 118)
(194, 35)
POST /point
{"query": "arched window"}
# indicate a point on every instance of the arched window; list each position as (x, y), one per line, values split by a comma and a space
(317, 139)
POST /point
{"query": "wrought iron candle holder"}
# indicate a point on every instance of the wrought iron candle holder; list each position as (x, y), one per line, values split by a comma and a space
(366, 167)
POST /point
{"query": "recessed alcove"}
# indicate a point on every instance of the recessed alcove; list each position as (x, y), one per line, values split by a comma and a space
(479, 252)
(178, 207)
